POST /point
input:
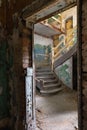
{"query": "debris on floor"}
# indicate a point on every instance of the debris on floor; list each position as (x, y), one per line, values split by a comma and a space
(58, 112)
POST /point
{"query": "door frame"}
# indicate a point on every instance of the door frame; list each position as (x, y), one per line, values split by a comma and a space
(79, 57)
(79, 62)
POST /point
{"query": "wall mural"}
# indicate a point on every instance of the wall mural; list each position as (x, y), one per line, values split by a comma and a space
(42, 54)
(69, 29)
(65, 41)
(69, 23)
(64, 73)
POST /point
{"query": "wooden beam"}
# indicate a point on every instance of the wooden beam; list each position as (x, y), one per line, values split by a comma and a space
(57, 29)
(37, 6)
(56, 19)
(57, 11)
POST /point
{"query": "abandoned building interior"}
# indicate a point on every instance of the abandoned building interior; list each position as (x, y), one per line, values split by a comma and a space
(43, 66)
(55, 57)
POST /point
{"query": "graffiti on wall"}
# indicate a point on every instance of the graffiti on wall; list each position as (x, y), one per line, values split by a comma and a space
(64, 72)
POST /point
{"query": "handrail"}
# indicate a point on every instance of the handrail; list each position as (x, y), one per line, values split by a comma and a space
(39, 83)
(58, 45)
(58, 53)
(65, 57)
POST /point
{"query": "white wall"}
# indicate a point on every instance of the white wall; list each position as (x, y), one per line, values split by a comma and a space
(42, 40)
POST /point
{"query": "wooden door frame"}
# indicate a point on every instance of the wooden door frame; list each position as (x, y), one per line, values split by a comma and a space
(79, 53)
(79, 63)
(79, 75)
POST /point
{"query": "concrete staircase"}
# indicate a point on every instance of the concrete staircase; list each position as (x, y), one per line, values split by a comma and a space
(46, 81)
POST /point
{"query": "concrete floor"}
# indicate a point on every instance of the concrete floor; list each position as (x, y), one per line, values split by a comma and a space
(58, 112)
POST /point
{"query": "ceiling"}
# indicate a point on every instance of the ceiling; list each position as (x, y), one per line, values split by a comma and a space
(50, 26)
(44, 30)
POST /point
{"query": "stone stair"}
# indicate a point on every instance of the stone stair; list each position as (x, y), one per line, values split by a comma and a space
(47, 82)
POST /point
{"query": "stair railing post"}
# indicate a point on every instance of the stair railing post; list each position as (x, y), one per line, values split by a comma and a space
(52, 58)
(30, 110)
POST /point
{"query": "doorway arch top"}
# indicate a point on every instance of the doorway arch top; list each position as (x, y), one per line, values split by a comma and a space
(40, 9)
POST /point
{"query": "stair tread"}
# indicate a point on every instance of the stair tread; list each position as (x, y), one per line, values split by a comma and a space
(51, 91)
(39, 69)
(43, 70)
(41, 73)
(50, 81)
(52, 85)
(46, 77)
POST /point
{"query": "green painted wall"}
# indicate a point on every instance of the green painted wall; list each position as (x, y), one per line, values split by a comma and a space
(5, 65)
(64, 72)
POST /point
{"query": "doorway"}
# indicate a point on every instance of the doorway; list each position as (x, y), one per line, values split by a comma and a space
(51, 49)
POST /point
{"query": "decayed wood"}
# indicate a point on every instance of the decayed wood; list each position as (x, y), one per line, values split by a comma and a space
(36, 6)
(58, 11)
(39, 5)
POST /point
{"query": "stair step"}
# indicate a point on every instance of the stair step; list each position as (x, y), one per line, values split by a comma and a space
(50, 81)
(52, 85)
(51, 91)
(43, 70)
(44, 73)
(46, 77)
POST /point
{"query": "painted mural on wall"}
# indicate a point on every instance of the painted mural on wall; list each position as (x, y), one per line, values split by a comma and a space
(64, 42)
(71, 32)
(70, 25)
(64, 72)
(42, 53)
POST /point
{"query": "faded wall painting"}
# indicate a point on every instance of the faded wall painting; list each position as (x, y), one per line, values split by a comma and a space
(65, 41)
(42, 51)
(69, 30)
(42, 54)
(64, 72)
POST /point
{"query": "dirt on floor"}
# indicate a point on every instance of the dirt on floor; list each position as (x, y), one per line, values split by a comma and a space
(57, 112)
